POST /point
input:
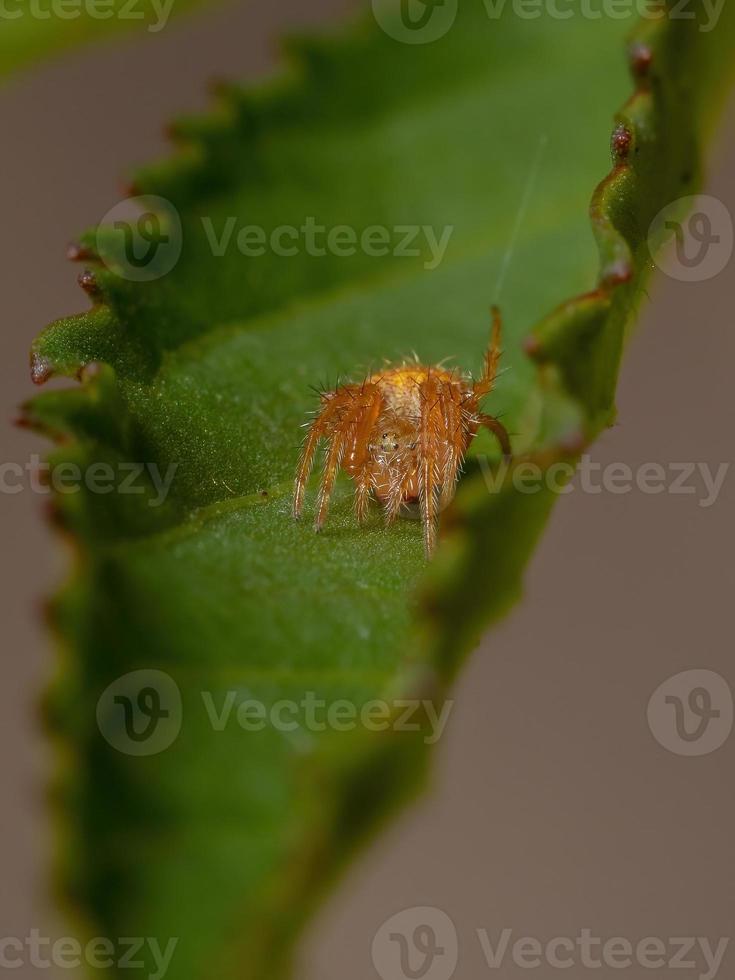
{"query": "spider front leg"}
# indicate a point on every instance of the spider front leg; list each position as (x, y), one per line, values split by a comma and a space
(456, 429)
(443, 433)
(486, 383)
(431, 445)
(345, 420)
(359, 463)
(332, 403)
(332, 463)
(349, 443)
(491, 361)
(402, 484)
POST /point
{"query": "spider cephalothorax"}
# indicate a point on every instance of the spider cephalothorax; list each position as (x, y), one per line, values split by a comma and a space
(401, 435)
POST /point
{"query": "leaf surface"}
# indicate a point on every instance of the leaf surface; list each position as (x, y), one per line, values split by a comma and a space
(498, 131)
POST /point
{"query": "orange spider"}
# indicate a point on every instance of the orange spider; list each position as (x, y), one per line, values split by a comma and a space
(401, 435)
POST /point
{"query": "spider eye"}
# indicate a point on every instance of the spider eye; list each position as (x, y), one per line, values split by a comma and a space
(389, 441)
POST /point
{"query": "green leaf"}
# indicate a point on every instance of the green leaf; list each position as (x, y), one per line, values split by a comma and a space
(499, 130)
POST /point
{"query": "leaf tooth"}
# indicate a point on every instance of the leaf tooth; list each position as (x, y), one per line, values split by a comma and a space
(80, 252)
(41, 369)
(89, 283)
(640, 57)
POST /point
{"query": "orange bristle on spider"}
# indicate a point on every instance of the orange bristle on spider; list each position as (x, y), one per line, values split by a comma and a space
(401, 435)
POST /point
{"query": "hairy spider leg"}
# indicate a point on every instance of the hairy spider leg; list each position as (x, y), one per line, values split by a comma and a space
(486, 383)
(431, 431)
(359, 463)
(491, 361)
(451, 398)
(402, 485)
(346, 420)
(349, 437)
(363, 486)
(332, 404)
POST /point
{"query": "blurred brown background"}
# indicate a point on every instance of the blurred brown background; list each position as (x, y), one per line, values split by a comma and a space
(553, 809)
